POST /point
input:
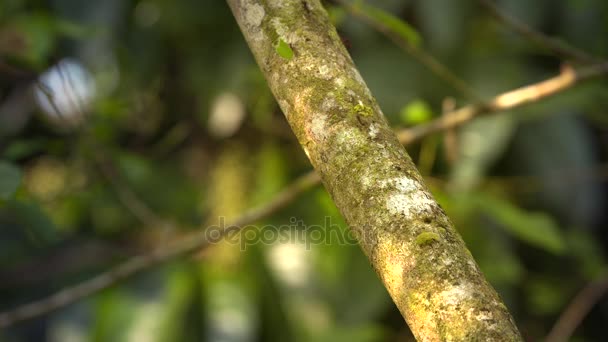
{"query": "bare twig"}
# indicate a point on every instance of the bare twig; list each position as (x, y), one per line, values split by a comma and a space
(423, 57)
(557, 46)
(576, 311)
(136, 264)
(508, 100)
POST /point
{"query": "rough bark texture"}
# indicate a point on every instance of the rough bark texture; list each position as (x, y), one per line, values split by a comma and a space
(423, 262)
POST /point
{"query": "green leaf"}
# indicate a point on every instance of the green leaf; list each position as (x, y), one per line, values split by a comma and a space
(416, 112)
(401, 28)
(10, 178)
(535, 228)
(284, 50)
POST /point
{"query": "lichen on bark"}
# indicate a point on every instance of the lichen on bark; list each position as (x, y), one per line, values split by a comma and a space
(411, 243)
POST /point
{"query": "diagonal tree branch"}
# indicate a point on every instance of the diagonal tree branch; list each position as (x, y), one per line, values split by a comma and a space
(411, 243)
(198, 240)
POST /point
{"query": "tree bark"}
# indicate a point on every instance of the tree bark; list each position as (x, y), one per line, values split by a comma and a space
(422, 261)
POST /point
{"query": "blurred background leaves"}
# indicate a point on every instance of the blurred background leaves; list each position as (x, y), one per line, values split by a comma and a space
(125, 125)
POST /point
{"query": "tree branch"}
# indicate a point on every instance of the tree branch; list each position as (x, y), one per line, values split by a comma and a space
(411, 243)
(197, 241)
(509, 100)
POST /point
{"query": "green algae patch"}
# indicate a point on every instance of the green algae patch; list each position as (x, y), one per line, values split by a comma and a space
(283, 49)
(426, 238)
(363, 110)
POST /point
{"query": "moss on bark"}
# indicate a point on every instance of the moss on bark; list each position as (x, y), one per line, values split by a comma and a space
(411, 243)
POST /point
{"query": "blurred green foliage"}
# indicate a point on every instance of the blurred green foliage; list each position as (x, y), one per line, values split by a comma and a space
(183, 130)
(10, 178)
(415, 112)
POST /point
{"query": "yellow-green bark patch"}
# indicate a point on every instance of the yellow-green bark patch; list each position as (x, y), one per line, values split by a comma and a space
(363, 110)
(427, 238)
(283, 49)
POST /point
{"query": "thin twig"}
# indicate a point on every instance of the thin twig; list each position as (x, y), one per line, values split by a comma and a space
(423, 57)
(509, 100)
(159, 255)
(556, 46)
(576, 311)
